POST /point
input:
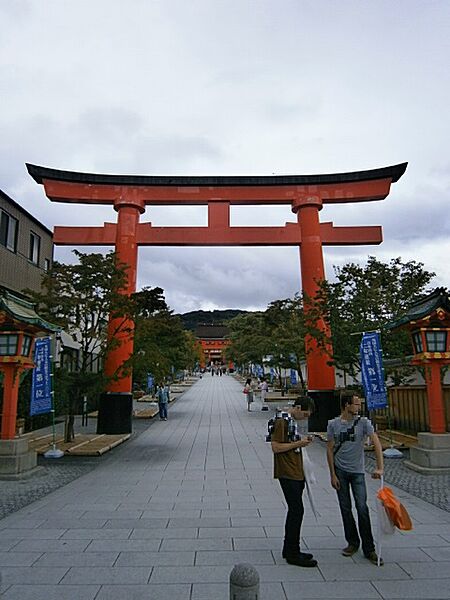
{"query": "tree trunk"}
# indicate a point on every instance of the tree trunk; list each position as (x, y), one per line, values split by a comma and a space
(280, 380)
(69, 431)
(300, 376)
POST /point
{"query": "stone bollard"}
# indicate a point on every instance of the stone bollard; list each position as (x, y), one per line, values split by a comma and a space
(244, 582)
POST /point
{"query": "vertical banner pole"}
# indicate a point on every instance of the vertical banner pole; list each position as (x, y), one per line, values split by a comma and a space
(45, 370)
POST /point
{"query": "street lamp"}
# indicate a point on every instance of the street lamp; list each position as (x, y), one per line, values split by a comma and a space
(16, 345)
(19, 325)
(428, 323)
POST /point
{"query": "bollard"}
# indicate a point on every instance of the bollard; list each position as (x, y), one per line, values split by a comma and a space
(244, 582)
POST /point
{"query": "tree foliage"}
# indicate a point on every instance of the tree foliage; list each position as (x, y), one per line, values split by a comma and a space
(79, 298)
(248, 339)
(366, 298)
(275, 337)
(161, 346)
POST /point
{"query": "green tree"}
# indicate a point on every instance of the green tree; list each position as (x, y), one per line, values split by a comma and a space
(79, 298)
(275, 337)
(249, 342)
(161, 345)
(285, 326)
(366, 298)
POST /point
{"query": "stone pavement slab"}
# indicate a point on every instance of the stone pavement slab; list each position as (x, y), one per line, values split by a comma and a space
(168, 514)
(51, 592)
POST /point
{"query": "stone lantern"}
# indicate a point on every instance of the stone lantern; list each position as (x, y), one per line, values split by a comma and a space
(428, 323)
(19, 326)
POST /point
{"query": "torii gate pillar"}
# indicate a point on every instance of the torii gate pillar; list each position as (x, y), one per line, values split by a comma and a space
(321, 375)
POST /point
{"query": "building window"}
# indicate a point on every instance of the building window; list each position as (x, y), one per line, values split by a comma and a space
(8, 344)
(436, 341)
(35, 248)
(417, 338)
(46, 265)
(26, 345)
(8, 231)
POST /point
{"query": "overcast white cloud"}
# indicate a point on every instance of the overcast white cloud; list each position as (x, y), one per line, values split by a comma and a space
(233, 87)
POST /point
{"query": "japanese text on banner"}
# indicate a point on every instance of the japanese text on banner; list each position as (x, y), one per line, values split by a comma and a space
(372, 371)
(41, 385)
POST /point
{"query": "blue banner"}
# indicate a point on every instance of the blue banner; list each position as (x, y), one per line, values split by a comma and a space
(41, 382)
(372, 371)
(150, 381)
(272, 374)
(293, 377)
(259, 371)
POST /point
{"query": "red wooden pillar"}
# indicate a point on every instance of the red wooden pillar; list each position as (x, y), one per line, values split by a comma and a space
(320, 375)
(129, 206)
(11, 381)
(436, 412)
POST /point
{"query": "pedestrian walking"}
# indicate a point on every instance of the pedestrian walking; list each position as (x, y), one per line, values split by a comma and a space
(264, 387)
(248, 391)
(162, 395)
(346, 436)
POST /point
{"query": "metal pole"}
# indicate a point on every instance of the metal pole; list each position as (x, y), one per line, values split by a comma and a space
(54, 452)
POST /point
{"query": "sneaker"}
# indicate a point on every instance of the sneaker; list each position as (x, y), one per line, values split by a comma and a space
(372, 556)
(350, 550)
(299, 561)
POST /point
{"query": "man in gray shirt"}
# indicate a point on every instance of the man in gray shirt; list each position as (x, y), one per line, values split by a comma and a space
(346, 435)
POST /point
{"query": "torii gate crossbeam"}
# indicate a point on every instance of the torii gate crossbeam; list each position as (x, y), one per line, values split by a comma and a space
(306, 194)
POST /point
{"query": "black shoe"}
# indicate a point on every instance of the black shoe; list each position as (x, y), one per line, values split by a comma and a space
(304, 555)
(372, 556)
(349, 550)
(299, 561)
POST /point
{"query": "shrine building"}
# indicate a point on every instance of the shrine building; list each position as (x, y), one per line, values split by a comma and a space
(213, 342)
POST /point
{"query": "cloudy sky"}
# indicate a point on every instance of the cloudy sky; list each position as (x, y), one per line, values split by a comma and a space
(233, 87)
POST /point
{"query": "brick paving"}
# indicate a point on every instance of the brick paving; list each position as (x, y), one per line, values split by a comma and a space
(169, 513)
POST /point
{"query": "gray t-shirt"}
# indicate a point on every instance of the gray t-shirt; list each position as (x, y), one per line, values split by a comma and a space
(350, 456)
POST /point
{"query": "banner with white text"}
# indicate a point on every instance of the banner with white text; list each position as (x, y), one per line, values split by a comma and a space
(372, 371)
(41, 384)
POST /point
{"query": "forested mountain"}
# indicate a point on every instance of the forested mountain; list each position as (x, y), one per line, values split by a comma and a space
(209, 317)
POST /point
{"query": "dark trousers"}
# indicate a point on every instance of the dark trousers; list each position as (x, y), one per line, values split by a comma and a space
(292, 490)
(162, 410)
(356, 482)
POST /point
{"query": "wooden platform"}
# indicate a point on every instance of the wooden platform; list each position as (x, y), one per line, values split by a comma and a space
(82, 445)
(146, 413)
(400, 440)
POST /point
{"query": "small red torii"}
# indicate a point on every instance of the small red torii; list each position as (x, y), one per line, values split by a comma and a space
(306, 194)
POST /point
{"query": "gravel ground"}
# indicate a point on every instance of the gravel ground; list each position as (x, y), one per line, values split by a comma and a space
(431, 488)
(51, 475)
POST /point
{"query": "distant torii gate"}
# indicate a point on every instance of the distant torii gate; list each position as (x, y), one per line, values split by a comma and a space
(129, 195)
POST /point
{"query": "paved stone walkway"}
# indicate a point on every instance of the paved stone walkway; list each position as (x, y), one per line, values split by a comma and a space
(171, 513)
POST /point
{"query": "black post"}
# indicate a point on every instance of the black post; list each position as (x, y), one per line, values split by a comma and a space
(114, 413)
(326, 408)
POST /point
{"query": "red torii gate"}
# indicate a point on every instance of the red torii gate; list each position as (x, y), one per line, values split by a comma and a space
(130, 194)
